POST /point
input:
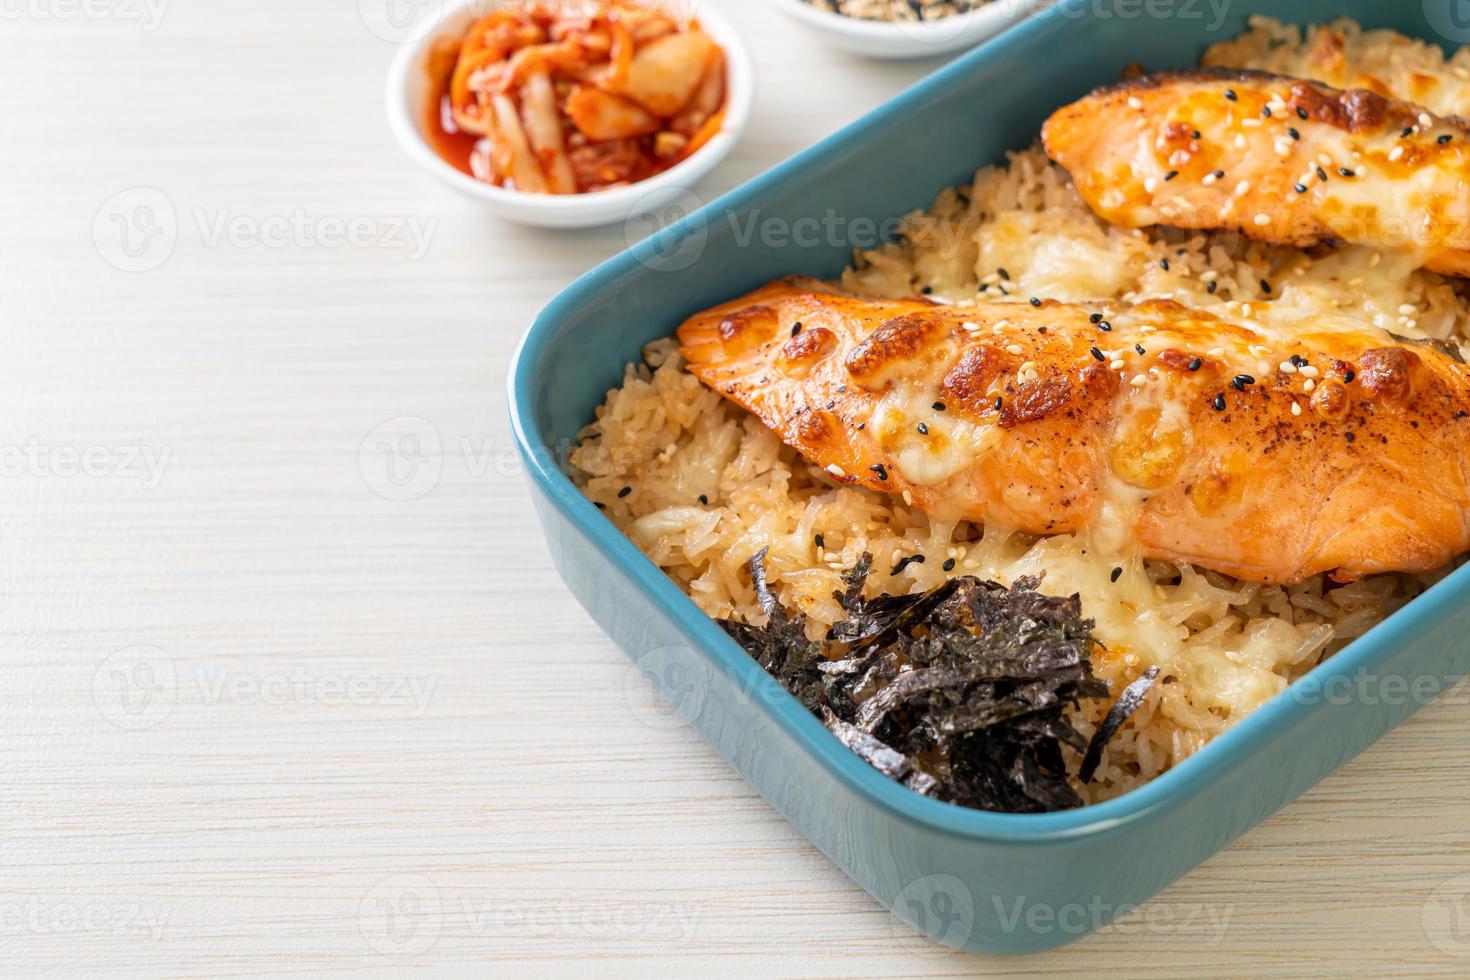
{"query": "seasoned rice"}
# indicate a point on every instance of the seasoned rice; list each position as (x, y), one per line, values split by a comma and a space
(700, 485)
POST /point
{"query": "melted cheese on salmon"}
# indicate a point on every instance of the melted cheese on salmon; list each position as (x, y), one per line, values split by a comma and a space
(1276, 159)
(1248, 442)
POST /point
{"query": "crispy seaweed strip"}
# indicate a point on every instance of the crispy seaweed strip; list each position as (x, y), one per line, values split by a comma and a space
(959, 693)
(1123, 708)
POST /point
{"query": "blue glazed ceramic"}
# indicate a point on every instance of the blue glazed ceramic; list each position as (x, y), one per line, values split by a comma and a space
(996, 883)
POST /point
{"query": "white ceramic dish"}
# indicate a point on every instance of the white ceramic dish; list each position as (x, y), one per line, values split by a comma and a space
(878, 39)
(408, 91)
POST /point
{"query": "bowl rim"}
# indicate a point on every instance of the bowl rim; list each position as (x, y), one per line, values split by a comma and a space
(930, 33)
(404, 124)
(1263, 728)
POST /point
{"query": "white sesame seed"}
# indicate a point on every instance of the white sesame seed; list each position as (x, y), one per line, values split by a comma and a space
(1133, 102)
(1396, 153)
(1116, 364)
(1150, 184)
(1216, 352)
(1209, 178)
(1138, 381)
(1209, 275)
(1245, 309)
(1287, 367)
(1263, 219)
(1308, 371)
(908, 498)
(1426, 120)
(1296, 409)
(1412, 324)
(1240, 141)
(1324, 159)
(1016, 349)
(1283, 146)
(836, 470)
(1408, 309)
(971, 327)
(1250, 123)
(1309, 386)
(1242, 188)
(1256, 350)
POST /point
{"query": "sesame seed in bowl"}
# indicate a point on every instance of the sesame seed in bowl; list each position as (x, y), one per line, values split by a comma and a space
(906, 28)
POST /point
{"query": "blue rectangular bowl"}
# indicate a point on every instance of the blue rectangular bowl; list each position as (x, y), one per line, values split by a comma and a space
(987, 882)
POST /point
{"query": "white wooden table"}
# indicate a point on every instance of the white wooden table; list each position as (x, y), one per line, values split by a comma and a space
(265, 709)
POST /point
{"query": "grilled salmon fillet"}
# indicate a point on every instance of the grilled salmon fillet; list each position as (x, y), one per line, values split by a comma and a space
(1269, 450)
(1277, 159)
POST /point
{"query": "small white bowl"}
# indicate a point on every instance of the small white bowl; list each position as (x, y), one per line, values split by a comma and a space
(408, 92)
(930, 39)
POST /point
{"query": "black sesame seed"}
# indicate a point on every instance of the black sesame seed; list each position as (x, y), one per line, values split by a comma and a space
(1219, 174)
(1444, 139)
(1097, 354)
(1298, 361)
(1095, 318)
(923, 429)
(1265, 286)
(1171, 175)
(1213, 285)
(1003, 274)
(1299, 188)
(1035, 301)
(1346, 172)
(938, 406)
(1241, 380)
(1406, 131)
(880, 470)
(905, 562)
(1164, 264)
(1352, 436)
(599, 505)
(1195, 364)
(625, 491)
(704, 499)
(1104, 326)
(1349, 375)
(949, 564)
(1195, 134)
(1139, 348)
(1041, 330)
(1266, 111)
(927, 290)
(1291, 131)
(1230, 94)
(1301, 113)
(1321, 174)
(821, 542)
(998, 402)
(796, 328)
(1117, 573)
(1219, 402)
